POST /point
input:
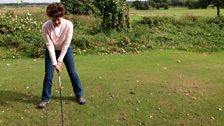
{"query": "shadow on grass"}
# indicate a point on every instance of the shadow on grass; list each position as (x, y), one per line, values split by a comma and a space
(64, 98)
(9, 97)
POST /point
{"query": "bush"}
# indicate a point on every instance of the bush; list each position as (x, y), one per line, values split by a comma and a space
(115, 15)
(81, 7)
(19, 32)
(156, 21)
(218, 20)
(139, 5)
(187, 33)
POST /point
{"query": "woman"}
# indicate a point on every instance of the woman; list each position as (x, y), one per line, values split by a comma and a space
(57, 33)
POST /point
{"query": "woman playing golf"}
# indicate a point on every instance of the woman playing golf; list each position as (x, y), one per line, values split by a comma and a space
(57, 33)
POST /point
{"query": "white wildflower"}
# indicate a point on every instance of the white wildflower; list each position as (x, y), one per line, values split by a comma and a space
(165, 68)
(213, 118)
(28, 14)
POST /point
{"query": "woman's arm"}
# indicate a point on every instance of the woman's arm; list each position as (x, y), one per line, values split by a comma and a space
(67, 41)
(49, 44)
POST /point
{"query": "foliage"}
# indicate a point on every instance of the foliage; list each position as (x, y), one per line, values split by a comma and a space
(195, 4)
(177, 2)
(218, 4)
(21, 36)
(151, 4)
(80, 7)
(115, 14)
(219, 21)
(139, 5)
(19, 32)
(190, 34)
(192, 4)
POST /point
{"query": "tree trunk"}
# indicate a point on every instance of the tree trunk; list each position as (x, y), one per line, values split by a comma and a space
(218, 10)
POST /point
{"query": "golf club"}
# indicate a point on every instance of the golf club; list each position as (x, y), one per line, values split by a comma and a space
(60, 88)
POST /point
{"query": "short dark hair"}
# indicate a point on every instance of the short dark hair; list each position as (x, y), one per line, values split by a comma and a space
(55, 10)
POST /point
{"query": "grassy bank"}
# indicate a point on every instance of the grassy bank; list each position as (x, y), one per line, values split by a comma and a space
(20, 34)
(152, 88)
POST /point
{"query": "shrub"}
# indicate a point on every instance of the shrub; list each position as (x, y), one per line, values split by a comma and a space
(218, 20)
(139, 5)
(81, 7)
(19, 32)
(156, 21)
(115, 15)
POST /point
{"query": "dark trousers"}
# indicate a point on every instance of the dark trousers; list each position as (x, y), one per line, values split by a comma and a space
(69, 62)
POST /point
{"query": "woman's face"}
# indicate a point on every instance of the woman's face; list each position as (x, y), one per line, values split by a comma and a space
(56, 21)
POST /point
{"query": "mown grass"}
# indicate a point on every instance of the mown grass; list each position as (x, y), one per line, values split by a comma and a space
(177, 12)
(163, 87)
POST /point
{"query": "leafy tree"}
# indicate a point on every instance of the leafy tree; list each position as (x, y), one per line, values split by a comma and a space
(115, 14)
(100, 4)
(161, 4)
(152, 4)
(140, 5)
(177, 2)
(192, 4)
(146, 5)
(217, 3)
(80, 7)
(203, 3)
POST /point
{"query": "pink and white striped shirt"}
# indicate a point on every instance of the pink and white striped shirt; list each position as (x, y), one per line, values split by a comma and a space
(57, 40)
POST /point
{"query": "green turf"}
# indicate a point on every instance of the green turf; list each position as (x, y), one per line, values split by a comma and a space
(174, 12)
(152, 88)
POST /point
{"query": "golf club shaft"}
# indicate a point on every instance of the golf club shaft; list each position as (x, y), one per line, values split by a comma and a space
(61, 104)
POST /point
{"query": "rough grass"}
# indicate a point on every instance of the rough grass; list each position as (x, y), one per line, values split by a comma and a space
(151, 88)
(20, 10)
(189, 33)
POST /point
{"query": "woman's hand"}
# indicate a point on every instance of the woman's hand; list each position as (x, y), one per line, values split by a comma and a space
(58, 66)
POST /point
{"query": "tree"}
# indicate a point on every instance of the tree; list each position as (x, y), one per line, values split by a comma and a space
(194, 4)
(203, 4)
(177, 2)
(80, 7)
(217, 3)
(115, 14)
(152, 4)
(140, 5)
(161, 4)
